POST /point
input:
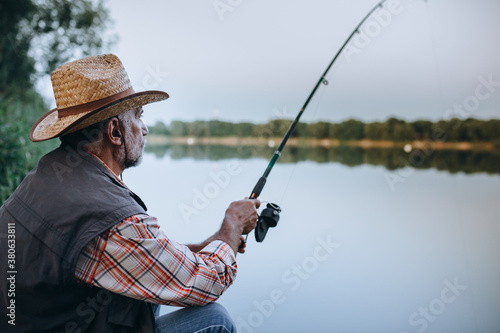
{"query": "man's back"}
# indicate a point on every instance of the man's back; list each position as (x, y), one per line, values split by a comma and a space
(65, 202)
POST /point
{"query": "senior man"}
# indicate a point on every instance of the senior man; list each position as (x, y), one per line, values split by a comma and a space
(88, 258)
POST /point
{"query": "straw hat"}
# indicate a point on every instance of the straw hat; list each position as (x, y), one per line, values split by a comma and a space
(88, 91)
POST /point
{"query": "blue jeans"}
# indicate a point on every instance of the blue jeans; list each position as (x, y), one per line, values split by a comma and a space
(211, 318)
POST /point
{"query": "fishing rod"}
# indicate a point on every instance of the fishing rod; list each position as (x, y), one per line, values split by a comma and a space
(270, 215)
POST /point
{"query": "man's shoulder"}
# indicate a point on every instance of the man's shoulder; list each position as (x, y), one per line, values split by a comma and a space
(66, 162)
(70, 179)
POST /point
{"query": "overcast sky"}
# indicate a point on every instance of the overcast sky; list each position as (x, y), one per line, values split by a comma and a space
(258, 60)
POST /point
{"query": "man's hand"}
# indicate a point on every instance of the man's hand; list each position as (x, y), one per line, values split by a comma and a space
(243, 245)
(241, 218)
(243, 214)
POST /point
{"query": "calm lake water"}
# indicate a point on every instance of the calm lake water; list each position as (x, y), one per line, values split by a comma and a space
(361, 246)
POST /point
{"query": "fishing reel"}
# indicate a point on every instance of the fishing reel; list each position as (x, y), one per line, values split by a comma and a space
(267, 219)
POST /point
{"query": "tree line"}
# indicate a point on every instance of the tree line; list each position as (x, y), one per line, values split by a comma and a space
(393, 129)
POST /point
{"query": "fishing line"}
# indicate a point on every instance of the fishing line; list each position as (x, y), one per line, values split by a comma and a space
(262, 226)
(322, 93)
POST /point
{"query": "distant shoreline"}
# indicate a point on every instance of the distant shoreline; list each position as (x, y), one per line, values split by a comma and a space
(327, 143)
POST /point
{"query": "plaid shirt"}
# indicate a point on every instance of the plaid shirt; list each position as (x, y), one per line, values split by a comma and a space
(136, 259)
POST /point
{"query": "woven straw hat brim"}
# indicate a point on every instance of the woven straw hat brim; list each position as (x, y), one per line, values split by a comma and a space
(51, 125)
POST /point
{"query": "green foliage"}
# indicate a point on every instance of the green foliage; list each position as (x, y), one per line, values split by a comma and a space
(35, 37)
(178, 128)
(12, 165)
(319, 130)
(272, 129)
(245, 129)
(38, 35)
(159, 129)
(350, 130)
(17, 154)
(376, 131)
(333, 130)
(491, 130)
(16, 66)
(474, 130)
(422, 129)
(399, 130)
(393, 129)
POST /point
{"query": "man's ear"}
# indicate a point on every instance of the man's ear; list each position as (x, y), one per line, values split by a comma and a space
(114, 131)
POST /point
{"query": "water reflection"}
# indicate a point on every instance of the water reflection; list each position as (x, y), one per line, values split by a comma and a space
(399, 249)
(452, 161)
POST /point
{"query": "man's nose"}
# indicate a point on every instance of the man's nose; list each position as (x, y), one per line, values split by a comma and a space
(145, 130)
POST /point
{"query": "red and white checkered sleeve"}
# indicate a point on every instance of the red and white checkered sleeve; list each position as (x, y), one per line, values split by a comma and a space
(136, 259)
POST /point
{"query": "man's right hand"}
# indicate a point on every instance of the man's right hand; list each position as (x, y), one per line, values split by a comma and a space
(240, 218)
(244, 214)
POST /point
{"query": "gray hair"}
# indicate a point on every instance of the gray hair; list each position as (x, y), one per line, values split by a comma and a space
(91, 138)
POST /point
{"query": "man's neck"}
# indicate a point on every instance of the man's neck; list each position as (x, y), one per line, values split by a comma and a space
(110, 164)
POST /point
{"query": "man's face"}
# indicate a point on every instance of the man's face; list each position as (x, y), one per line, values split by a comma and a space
(134, 133)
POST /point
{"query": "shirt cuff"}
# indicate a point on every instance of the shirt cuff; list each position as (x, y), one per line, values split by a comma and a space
(222, 250)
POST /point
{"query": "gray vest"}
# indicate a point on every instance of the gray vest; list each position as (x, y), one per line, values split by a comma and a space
(61, 205)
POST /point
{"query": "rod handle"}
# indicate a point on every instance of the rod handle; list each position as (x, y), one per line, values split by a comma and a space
(255, 194)
(258, 188)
